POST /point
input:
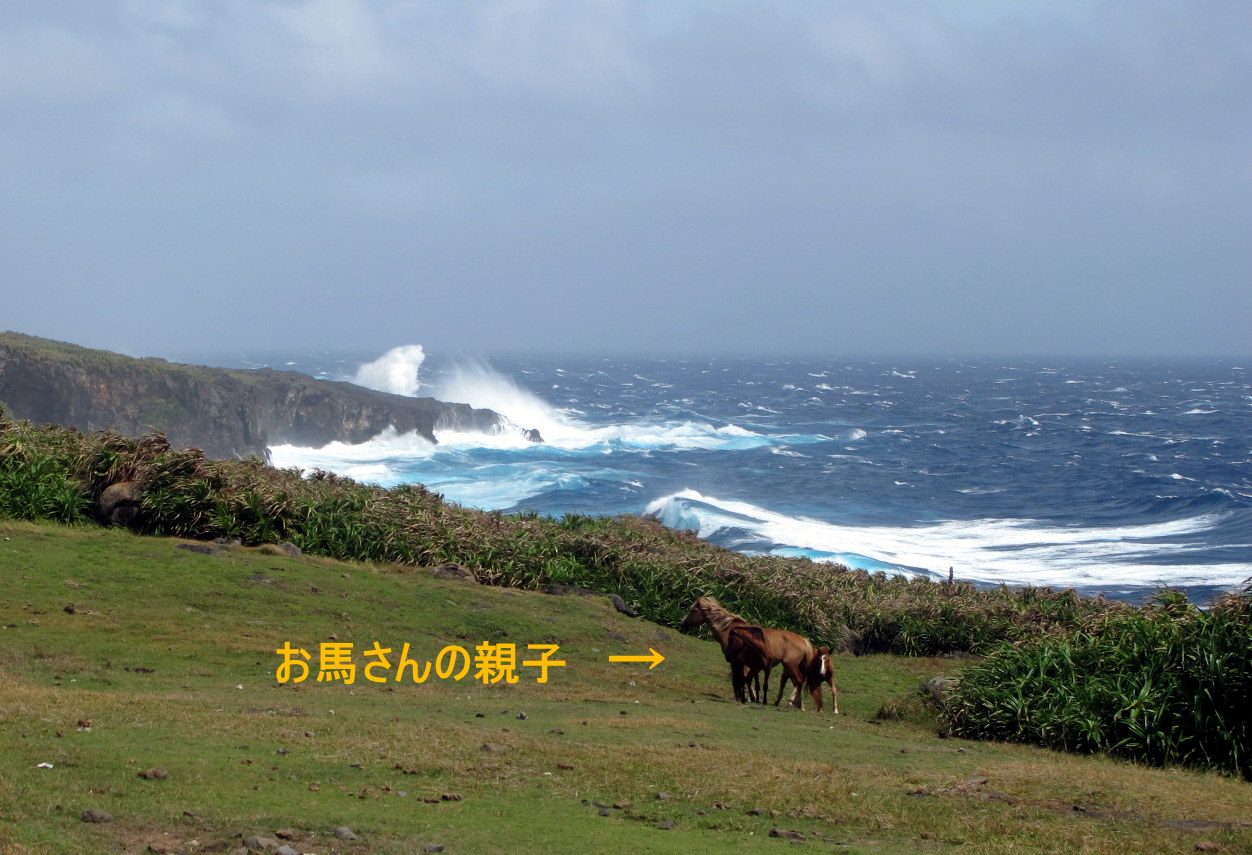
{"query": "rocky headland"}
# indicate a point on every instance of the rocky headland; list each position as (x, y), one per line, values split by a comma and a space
(225, 413)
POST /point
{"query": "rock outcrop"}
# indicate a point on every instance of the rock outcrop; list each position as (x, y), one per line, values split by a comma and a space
(225, 413)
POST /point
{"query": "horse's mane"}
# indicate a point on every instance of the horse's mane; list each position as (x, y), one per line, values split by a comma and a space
(717, 616)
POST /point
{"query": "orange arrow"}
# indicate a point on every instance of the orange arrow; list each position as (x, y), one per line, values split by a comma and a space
(656, 659)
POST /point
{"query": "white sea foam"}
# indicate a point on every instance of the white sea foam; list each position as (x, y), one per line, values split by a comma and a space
(1010, 551)
(387, 455)
(375, 461)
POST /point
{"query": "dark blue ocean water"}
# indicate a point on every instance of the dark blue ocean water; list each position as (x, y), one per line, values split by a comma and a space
(1107, 477)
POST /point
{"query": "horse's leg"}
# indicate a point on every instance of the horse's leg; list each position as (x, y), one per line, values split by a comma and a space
(791, 672)
(782, 682)
(827, 675)
(749, 677)
(765, 687)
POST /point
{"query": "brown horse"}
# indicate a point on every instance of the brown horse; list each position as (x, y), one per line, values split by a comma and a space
(821, 669)
(707, 610)
(753, 650)
(756, 650)
(817, 668)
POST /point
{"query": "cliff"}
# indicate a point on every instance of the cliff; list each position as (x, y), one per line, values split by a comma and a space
(225, 413)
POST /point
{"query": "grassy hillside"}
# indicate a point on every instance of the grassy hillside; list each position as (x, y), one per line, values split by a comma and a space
(122, 654)
(52, 473)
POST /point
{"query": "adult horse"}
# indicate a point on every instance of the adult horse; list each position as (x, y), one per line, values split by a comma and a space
(708, 611)
(759, 649)
(753, 650)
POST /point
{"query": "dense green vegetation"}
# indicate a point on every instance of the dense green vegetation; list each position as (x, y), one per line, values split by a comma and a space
(1165, 684)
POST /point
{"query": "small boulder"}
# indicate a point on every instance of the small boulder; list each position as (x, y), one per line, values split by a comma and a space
(455, 572)
(939, 687)
(120, 503)
(287, 548)
(256, 841)
(93, 815)
(202, 548)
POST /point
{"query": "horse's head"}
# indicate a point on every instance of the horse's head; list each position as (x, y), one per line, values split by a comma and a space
(695, 617)
(821, 669)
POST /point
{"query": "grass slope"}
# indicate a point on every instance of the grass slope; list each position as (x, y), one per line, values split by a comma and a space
(120, 654)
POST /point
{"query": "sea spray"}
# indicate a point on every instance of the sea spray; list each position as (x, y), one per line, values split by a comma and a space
(474, 382)
(396, 371)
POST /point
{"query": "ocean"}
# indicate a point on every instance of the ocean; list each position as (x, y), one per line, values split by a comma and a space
(1106, 477)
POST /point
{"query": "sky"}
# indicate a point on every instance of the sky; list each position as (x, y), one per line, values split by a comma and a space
(973, 177)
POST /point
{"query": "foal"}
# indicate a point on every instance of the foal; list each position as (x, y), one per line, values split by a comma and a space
(822, 670)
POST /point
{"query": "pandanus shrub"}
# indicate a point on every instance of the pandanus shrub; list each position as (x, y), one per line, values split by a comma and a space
(1165, 684)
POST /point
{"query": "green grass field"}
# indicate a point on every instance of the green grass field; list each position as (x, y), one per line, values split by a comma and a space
(121, 654)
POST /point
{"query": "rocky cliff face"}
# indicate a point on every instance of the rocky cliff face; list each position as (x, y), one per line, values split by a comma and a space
(225, 413)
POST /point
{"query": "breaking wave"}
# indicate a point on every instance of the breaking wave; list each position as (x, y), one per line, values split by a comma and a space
(985, 550)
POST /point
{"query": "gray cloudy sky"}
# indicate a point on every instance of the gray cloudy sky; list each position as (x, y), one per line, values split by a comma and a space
(975, 177)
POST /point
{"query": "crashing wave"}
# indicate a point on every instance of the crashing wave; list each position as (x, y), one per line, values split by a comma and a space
(989, 550)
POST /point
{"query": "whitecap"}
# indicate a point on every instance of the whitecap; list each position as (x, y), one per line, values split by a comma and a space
(981, 550)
